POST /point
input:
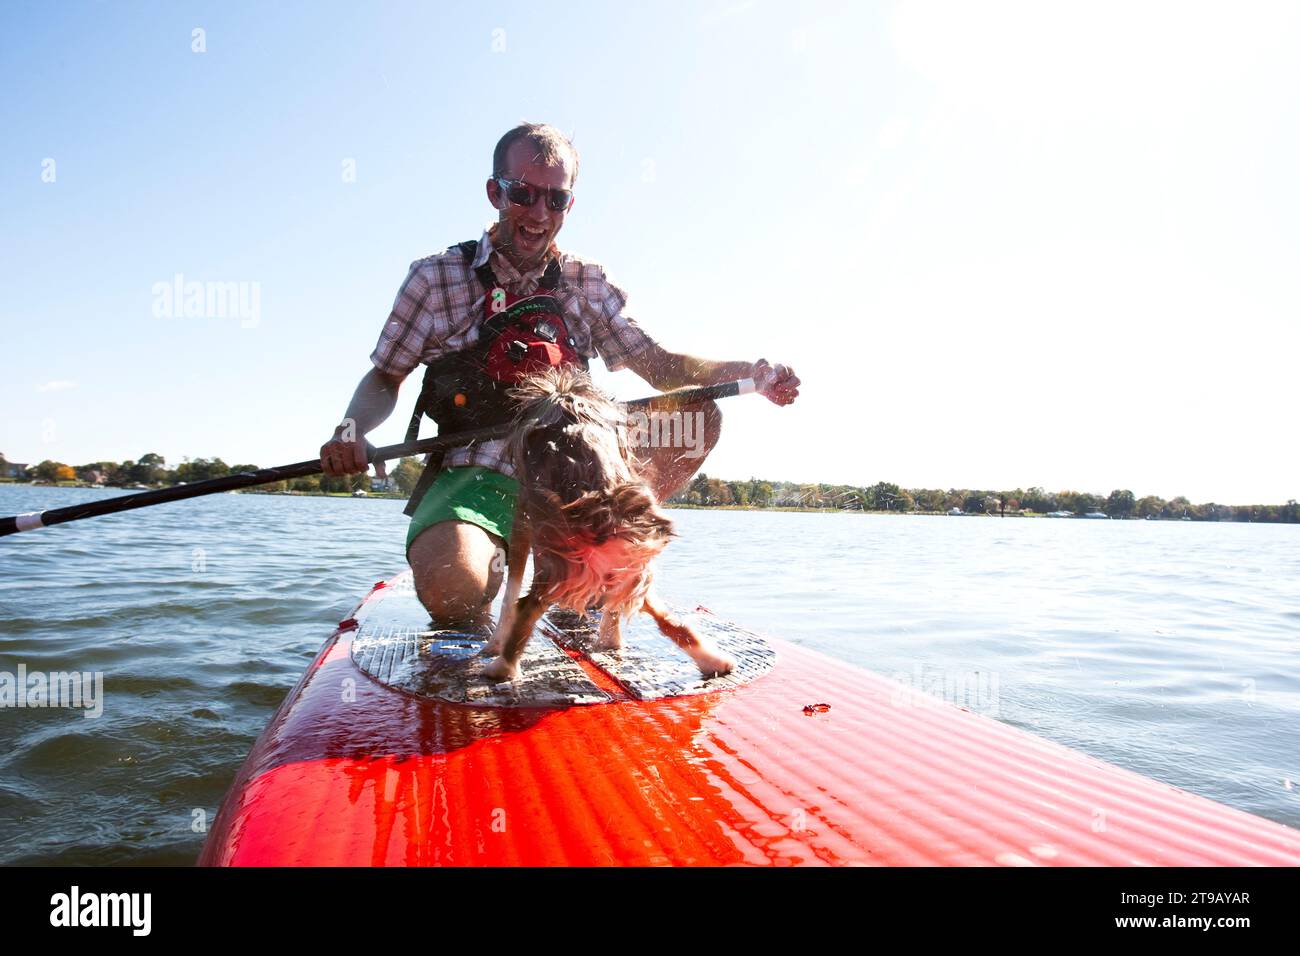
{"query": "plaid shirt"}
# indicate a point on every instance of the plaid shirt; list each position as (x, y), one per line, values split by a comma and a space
(441, 304)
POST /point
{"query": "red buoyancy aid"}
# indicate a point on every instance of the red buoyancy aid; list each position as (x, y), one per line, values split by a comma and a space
(523, 335)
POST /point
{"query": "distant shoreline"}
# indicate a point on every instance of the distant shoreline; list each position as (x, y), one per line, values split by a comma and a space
(398, 496)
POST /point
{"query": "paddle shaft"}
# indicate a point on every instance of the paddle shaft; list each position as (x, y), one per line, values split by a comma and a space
(265, 476)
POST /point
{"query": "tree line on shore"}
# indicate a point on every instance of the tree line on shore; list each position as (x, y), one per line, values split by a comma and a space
(886, 496)
(151, 470)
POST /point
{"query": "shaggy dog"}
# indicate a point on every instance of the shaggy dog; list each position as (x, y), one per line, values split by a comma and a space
(592, 523)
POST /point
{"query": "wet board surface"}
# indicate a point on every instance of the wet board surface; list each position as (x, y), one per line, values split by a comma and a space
(395, 645)
(814, 762)
(648, 666)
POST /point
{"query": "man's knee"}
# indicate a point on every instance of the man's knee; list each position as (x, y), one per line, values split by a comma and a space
(699, 440)
(712, 419)
(458, 568)
(681, 450)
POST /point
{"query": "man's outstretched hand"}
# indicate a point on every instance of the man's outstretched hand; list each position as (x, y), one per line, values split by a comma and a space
(777, 382)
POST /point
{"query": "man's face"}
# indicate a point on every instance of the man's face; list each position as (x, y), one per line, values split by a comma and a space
(524, 233)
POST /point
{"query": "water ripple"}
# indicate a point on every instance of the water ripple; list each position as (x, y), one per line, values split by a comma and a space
(1166, 648)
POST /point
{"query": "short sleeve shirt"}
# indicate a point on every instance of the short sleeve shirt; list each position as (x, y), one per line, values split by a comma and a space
(440, 307)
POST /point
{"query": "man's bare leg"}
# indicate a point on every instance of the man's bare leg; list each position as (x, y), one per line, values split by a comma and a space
(670, 468)
(458, 569)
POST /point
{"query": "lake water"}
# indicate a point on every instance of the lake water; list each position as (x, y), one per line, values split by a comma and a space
(1167, 648)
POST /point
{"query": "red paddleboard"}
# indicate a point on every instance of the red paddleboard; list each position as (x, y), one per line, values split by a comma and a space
(390, 751)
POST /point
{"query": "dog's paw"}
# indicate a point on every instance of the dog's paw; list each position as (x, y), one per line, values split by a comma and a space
(491, 649)
(501, 670)
(712, 662)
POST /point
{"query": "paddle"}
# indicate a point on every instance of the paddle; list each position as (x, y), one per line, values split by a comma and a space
(265, 476)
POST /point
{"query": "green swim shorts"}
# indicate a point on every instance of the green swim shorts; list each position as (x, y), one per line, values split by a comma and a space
(472, 493)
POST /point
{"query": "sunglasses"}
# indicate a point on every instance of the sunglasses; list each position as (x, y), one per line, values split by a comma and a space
(525, 194)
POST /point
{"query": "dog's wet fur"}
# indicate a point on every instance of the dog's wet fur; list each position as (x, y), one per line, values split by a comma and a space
(592, 523)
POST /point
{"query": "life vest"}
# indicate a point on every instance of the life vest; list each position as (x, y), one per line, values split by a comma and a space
(467, 389)
(520, 335)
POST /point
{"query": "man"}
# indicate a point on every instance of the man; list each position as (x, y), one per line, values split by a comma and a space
(462, 523)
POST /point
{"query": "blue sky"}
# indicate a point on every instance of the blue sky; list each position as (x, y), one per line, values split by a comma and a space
(1002, 244)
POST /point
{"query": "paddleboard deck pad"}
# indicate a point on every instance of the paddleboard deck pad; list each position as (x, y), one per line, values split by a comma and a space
(395, 645)
(648, 666)
(393, 750)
